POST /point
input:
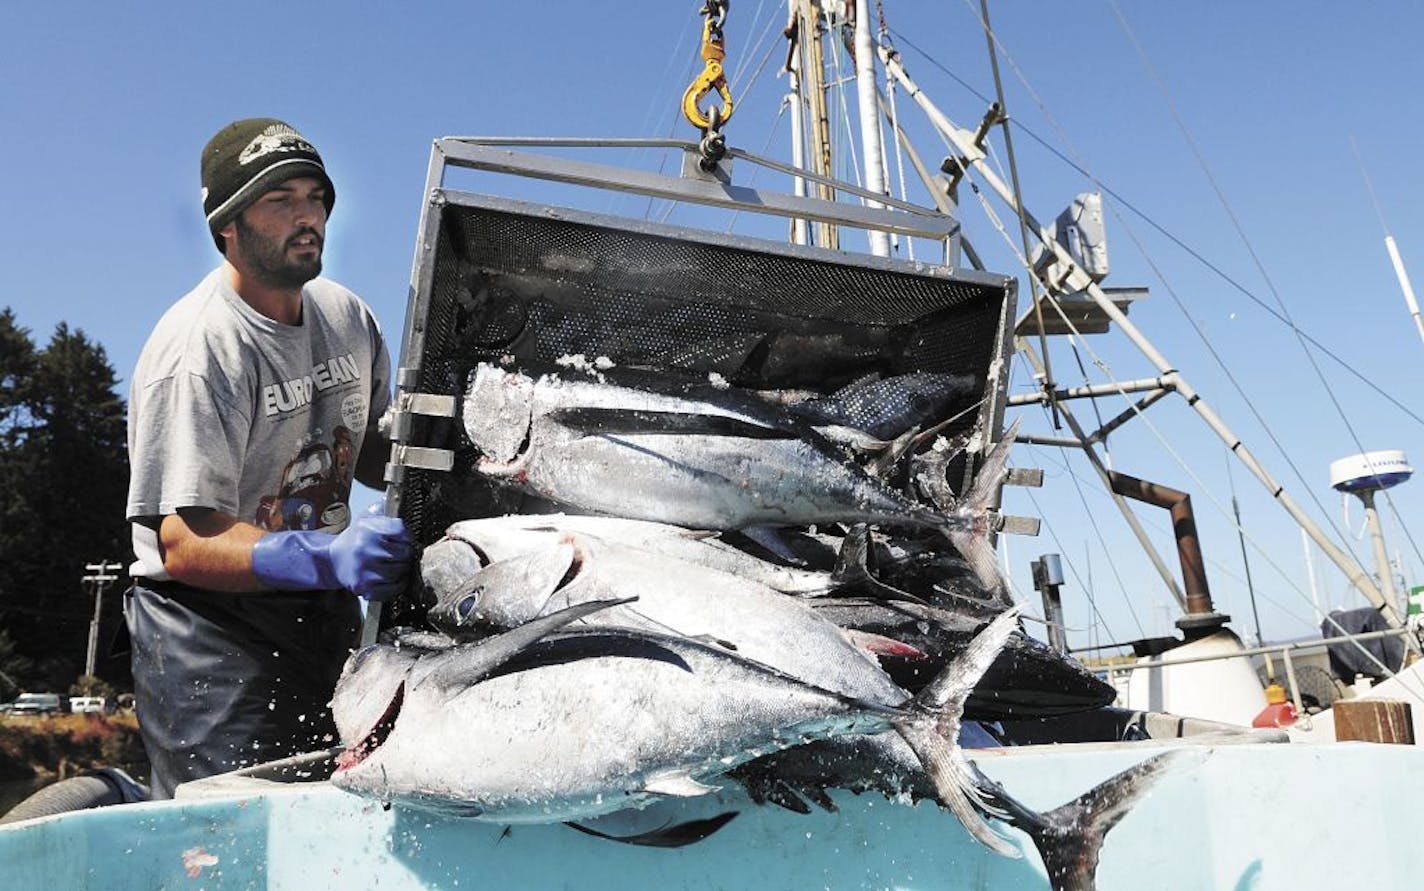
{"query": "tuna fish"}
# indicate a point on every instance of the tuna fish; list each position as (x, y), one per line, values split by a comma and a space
(1027, 679)
(498, 538)
(550, 569)
(574, 724)
(886, 407)
(675, 597)
(702, 458)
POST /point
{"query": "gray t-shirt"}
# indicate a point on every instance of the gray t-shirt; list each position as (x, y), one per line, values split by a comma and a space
(233, 411)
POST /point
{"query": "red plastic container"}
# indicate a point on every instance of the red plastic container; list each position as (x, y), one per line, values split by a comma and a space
(1279, 711)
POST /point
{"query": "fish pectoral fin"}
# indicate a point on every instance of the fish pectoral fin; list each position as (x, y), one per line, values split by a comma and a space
(490, 654)
(675, 835)
(679, 784)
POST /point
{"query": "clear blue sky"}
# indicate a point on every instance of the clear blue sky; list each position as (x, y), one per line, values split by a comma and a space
(105, 108)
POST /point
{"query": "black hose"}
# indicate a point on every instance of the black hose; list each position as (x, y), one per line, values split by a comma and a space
(73, 794)
(97, 788)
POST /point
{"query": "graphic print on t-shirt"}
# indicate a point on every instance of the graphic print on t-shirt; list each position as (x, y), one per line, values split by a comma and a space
(314, 488)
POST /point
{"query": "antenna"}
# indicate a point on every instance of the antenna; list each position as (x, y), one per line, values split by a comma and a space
(1389, 245)
(1363, 476)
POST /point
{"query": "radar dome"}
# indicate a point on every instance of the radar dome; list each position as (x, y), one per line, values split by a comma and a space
(1372, 470)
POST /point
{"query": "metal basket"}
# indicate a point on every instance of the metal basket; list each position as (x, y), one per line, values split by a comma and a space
(499, 278)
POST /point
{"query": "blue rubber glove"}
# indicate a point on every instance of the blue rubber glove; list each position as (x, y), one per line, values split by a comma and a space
(370, 558)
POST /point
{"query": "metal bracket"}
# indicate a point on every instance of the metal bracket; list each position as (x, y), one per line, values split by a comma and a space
(692, 168)
(422, 458)
(1028, 477)
(955, 166)
(429, 404)
(1010, 525)
(426, 404)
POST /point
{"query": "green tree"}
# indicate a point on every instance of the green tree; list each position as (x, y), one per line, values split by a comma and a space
(16, 670)
(63, 477)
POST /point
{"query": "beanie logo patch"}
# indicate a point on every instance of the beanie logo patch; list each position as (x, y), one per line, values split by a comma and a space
(276, 138)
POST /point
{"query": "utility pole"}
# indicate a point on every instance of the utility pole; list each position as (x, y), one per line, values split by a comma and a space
(99, 575)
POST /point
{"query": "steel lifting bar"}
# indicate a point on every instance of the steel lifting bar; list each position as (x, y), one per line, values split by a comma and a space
(901, 218)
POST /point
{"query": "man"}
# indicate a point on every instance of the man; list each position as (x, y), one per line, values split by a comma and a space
(250, 399)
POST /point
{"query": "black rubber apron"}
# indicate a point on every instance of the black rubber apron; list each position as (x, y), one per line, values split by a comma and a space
(224, 681)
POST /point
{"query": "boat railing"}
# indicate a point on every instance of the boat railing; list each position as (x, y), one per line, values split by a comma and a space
(1284, 651)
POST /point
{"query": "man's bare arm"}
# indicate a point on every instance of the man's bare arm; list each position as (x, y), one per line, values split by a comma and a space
(209, 549)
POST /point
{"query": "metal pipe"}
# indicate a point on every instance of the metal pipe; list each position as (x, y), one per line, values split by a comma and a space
(1184, 528)
(827, 236)
(943, 200)
(1060, 441)
(1078, 280)
(1137, 408)
(1027, 350)
(1290, 678)
(1092, 391)
(872, 153)
(1386, 574)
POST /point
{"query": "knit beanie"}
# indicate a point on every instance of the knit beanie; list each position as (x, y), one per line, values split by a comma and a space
(248, 158)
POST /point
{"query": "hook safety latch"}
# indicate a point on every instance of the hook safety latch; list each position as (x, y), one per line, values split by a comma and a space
(713, 77)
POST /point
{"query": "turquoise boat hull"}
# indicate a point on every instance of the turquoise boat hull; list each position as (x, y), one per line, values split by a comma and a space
(1238, 816)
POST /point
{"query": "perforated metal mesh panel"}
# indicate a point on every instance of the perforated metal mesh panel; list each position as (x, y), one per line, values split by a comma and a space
(538, 284)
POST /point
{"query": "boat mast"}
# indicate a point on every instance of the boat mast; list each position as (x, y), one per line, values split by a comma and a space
(872, 153)
(1078, 280)
(799, 234)
(806, 18)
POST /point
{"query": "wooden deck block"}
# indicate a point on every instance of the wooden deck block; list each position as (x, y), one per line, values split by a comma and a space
(1374, 720)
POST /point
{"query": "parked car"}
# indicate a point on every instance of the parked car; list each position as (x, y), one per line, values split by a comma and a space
(90, 704)
(37, 704)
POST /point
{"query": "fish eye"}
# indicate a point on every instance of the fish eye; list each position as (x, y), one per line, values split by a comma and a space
(467, 605)
(360, 657)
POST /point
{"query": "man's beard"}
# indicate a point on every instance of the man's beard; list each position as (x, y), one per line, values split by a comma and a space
(268, 259)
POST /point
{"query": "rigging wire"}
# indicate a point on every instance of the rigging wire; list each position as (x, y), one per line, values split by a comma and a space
(883, 35)
(1181, 462)
(844, 138)
(673, 113)
(1246, 242)
(1205, 489)
(1147, 257)
(1369, 187)
(1047, 384)
(756, 169)
(745, 58)
(1174, 239)
(1166, 445)
(756, 74)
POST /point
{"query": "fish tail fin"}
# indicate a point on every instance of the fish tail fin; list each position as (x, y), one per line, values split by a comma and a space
(954, 783)
(933, 732)
(1070, 838)
(853, 570)
(967, 525)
